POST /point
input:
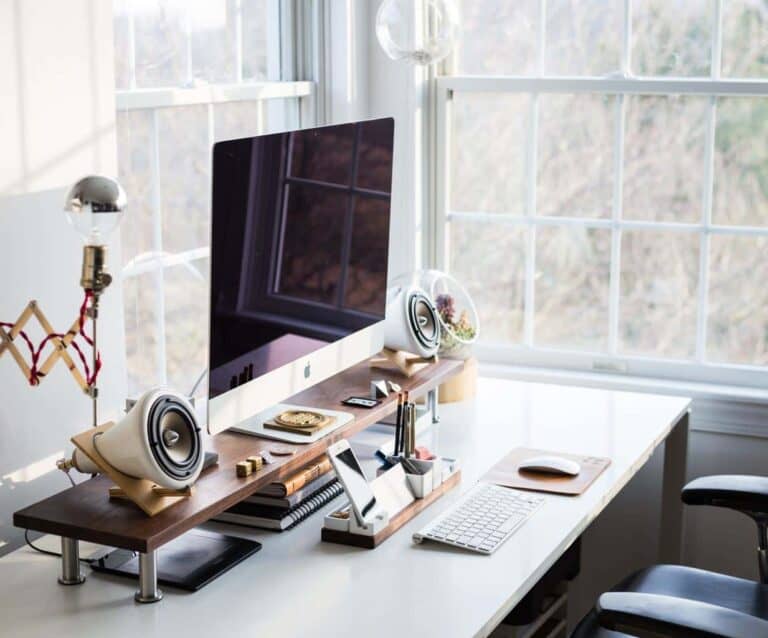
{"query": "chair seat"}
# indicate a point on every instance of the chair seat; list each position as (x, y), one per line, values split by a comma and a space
(741, 595)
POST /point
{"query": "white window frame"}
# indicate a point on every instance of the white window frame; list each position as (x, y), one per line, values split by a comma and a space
(294, 29)
(619, 84)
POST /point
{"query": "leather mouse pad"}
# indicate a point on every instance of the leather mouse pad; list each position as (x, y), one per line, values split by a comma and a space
(507, 473)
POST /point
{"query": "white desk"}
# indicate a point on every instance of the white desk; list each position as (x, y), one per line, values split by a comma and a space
(298, 586)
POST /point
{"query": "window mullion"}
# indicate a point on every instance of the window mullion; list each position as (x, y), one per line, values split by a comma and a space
(614, 281)
(239, 41)
(157, 241)
(529, 303)
(188, 44)
(131, 48)
(626, 40)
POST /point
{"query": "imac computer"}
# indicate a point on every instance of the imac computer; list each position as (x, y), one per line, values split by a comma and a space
(299, 248)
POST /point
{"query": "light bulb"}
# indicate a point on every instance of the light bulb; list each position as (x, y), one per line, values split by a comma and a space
(94, 207)
(400, 37)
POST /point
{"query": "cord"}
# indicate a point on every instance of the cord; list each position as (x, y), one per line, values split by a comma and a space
(197, 383)
(87, 561)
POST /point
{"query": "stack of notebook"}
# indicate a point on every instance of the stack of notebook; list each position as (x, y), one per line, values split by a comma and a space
(283, 504)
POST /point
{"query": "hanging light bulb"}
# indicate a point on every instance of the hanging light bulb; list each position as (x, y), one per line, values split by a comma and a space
(94, 207)
(398, 32)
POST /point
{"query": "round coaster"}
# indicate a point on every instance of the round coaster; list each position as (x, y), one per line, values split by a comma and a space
(282, 451)
(302, 419)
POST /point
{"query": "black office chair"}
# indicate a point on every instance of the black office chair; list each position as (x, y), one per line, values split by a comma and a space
(678, 601)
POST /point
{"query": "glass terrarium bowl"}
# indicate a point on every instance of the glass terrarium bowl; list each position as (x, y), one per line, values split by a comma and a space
(459, 322)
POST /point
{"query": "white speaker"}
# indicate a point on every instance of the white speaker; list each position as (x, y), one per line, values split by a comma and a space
(158, 440)
(411, 322)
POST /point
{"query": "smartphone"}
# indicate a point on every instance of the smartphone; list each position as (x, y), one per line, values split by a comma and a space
(353, 479)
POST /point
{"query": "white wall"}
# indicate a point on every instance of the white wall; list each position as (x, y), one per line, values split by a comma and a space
(57, 124)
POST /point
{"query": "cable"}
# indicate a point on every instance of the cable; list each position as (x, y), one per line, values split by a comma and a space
(87, 561)
(197, 383)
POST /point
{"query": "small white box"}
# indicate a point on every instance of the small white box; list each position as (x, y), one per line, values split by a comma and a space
(337, 523)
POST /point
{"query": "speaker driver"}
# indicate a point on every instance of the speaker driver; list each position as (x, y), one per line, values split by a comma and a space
(174, 437)
(411, 323)
(423, 320)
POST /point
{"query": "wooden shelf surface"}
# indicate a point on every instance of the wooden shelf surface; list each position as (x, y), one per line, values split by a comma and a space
(85, 512)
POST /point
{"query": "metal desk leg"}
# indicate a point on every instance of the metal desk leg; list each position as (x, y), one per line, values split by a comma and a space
(432, 403)
(148, 591)
(70, 562)
(675, 458)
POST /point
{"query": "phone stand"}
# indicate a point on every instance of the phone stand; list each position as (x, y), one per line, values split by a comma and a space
(379, 522)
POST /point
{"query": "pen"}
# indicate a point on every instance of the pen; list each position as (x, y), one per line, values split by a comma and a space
(397, 422)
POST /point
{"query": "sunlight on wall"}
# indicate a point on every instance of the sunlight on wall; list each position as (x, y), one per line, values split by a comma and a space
(33, 470)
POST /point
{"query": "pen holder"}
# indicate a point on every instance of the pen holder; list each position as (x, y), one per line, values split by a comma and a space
(422, 484)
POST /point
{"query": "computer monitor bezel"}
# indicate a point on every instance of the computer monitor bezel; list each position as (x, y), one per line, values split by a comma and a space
(248, 399)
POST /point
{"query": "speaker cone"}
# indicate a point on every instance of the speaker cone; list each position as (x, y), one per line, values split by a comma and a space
(173, 437)
(423, 319)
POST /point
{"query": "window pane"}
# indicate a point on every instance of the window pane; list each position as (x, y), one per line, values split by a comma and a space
(489, 260)
(212, 39)
(659, 281)
(745, 39)
(161, 57)
(186, 323)
(317, 212)
(366, 273)
(672, 37)
(498, 38)
(134, 148)
(255, 24)
(185, 180)
(232, 120)
(583, 38)
(737, 326)
(490, 134)
(140, 299)
(664, 158)
(572, 273)
(328, 158)
(374, 156)
(741, 162)
(575, 176)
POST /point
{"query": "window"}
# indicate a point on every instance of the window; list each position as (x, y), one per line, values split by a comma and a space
(188, 74)
(601, 187)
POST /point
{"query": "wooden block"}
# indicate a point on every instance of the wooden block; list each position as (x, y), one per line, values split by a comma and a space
(118, 492)
(243, 469)
(256, 462)
(140, 491)
(404, 362)
(461, 386)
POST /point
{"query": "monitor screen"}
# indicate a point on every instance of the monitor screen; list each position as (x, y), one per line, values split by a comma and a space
(300, 239)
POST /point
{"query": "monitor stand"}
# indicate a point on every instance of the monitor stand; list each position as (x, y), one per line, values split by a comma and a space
(255, 425)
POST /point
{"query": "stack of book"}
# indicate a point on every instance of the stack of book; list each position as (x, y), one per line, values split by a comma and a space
(284, 504)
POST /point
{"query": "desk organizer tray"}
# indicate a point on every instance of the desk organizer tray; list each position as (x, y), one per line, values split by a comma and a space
(338, 534)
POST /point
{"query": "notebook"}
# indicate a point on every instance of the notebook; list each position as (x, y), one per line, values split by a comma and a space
(278, 518)
(286, 502)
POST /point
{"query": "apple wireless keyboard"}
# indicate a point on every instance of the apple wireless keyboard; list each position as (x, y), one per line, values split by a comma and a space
(482, 519)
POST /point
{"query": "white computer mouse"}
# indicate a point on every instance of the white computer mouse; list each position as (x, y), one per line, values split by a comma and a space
(551, 465)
